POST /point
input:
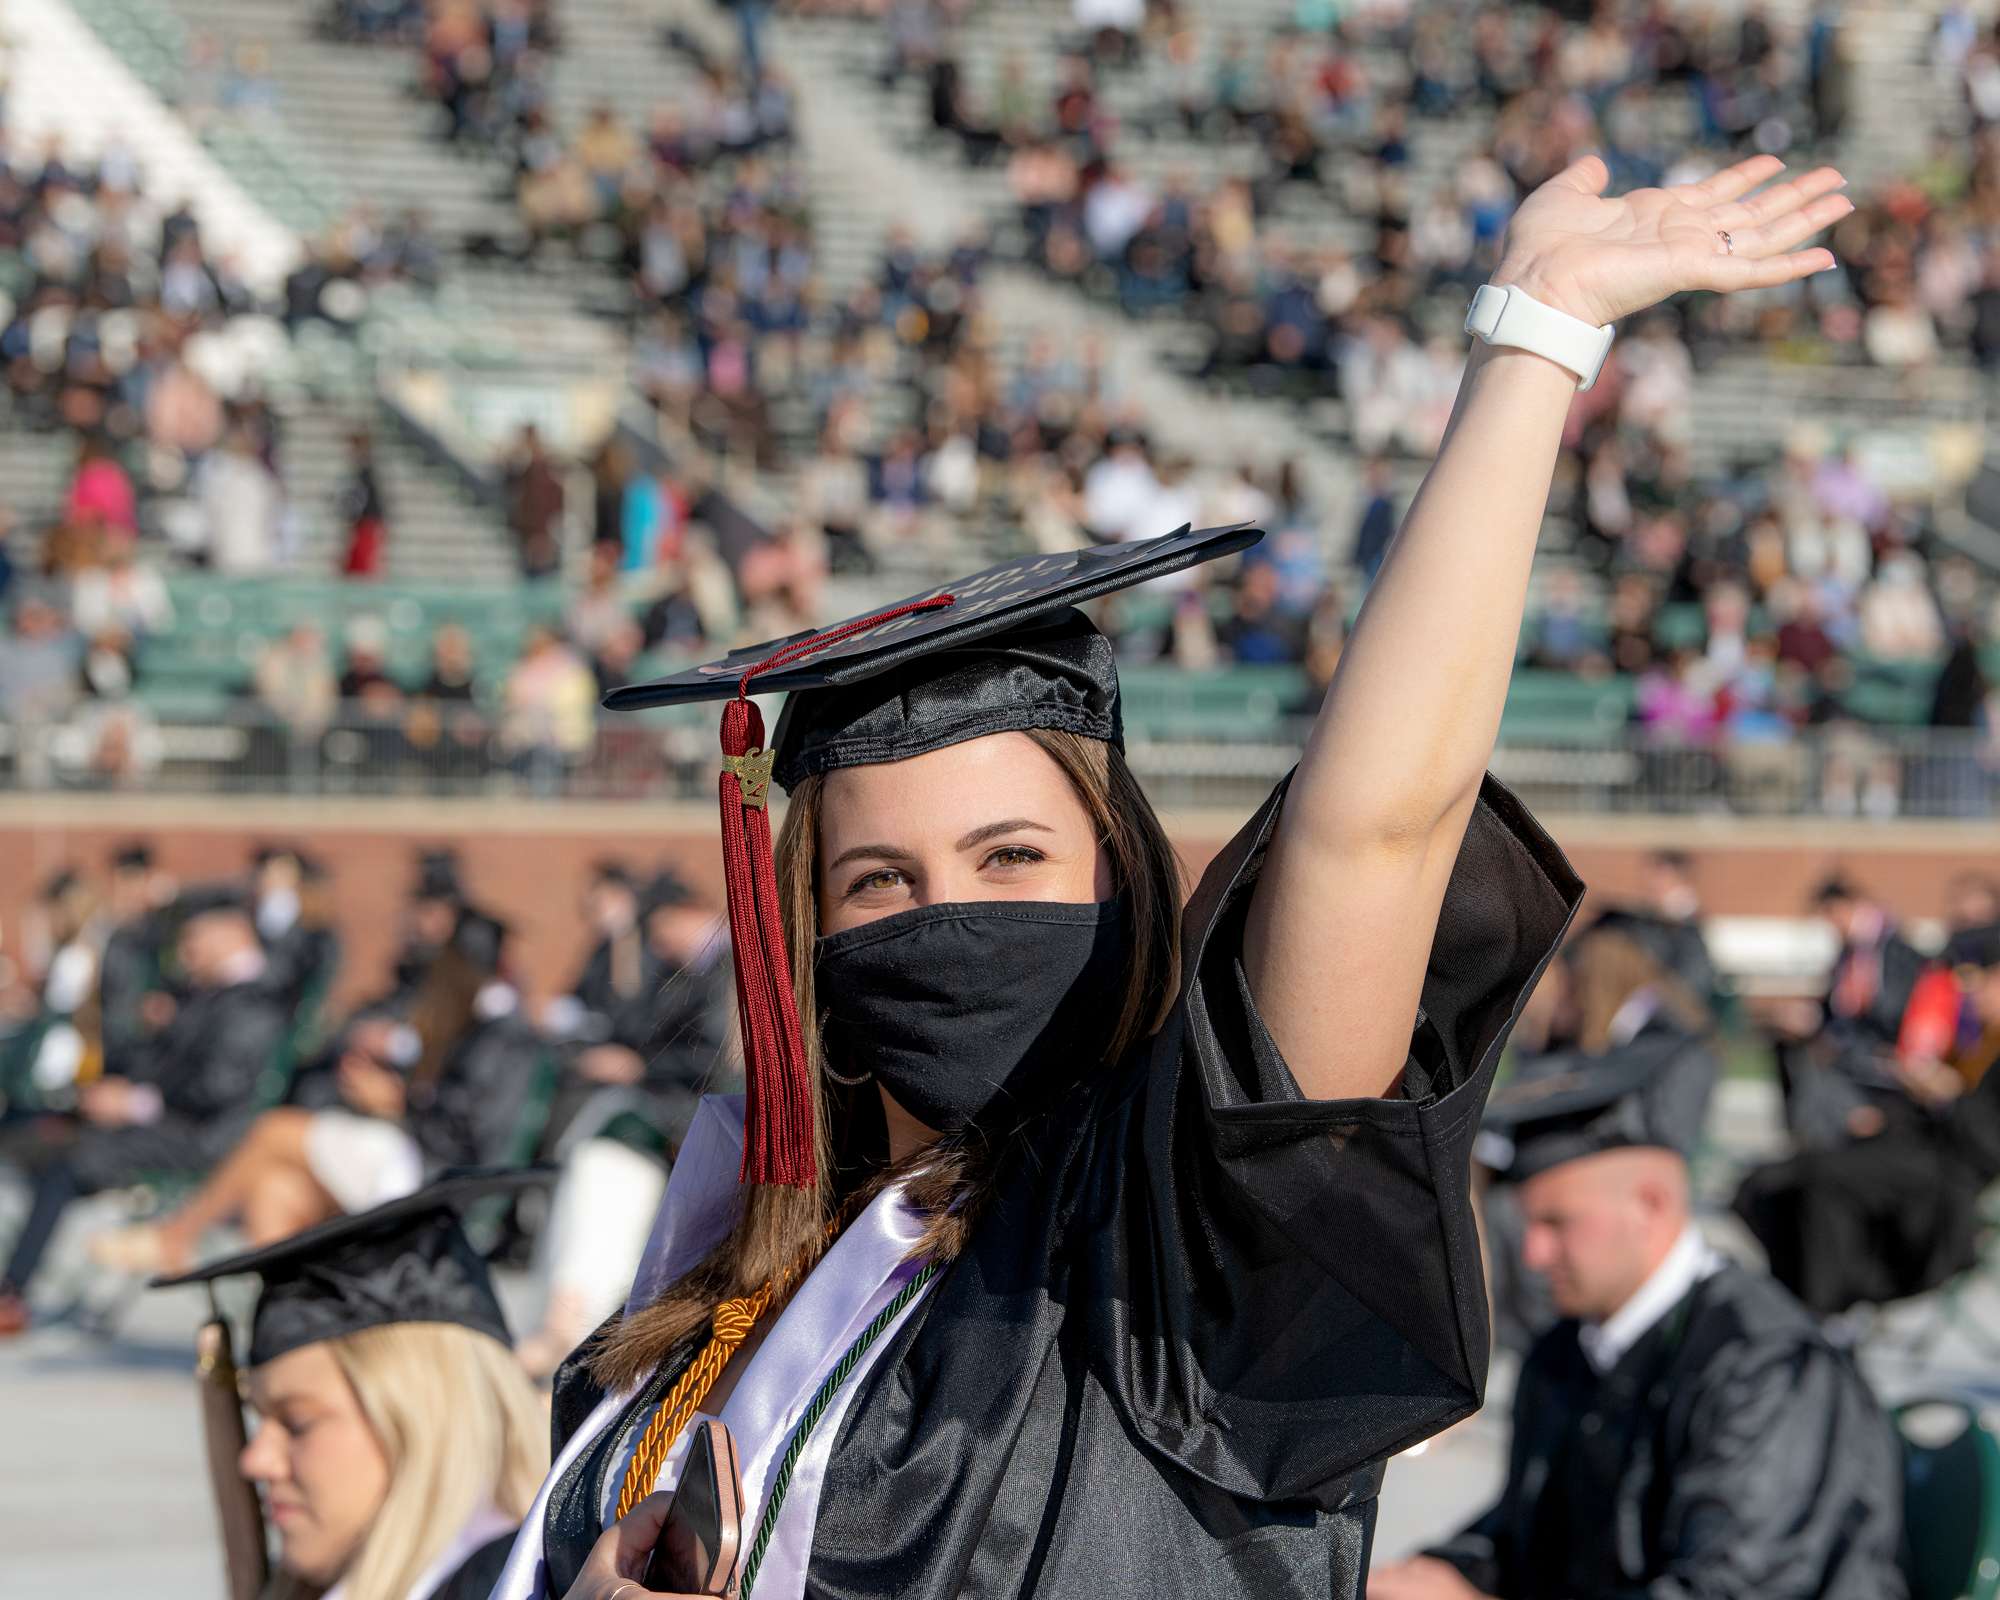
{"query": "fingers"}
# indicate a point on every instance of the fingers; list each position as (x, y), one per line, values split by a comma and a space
(637, 1532)
(1788, 230)
(1777, 200)
(623, 1549)
(1587, 175)
(1725, 274)
(1731, 183)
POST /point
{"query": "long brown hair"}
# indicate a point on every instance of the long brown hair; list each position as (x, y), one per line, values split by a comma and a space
(781, 1227)
(1606, 968)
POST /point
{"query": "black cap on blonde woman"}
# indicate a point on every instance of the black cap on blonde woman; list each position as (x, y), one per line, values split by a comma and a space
(1000, 651)
(406, 1261)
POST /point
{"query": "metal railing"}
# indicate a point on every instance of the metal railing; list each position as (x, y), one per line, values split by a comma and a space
(1841, 771)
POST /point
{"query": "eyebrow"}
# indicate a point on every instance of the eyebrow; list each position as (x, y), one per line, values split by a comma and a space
(978, 836)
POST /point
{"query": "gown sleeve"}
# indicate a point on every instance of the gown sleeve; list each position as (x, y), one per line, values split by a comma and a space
(1294, 1288)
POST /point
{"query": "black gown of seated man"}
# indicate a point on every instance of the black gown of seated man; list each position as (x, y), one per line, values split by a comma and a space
(1883, 1218)
(205, 1062)
(1730, 1452)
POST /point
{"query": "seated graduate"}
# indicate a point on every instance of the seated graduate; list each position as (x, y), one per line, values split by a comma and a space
(1896, 1212)
(449, 1088)
(1837, 1055)
(294, 919)
(50, 1023)
(1069, 1240)
(399, 1444)
(1686, 1430)
(137, 902)
(183, 1100)
(625, 1108)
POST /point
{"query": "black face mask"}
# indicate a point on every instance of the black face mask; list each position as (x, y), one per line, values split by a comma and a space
(976, 1013)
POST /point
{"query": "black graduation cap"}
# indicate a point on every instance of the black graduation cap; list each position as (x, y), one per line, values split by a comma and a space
(666, 888)
(1001, 651)
(1973, 947)
(437, 876)
(407, 1261)
(907, 679)
(1650, 1094)
(607, 870)
(201, 899)
(479, 937)
(1835, 886)
(136, 856)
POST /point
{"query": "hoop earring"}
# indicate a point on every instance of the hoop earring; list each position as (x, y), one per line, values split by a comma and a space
(846, 1083)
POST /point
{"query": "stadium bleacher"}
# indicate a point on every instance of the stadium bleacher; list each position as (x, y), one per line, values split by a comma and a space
(341, 143)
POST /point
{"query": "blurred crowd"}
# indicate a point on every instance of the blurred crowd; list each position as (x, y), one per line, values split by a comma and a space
(1768, 613)
(207, 1041)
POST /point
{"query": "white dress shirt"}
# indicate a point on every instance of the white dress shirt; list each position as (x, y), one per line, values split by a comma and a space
(1686, 1264)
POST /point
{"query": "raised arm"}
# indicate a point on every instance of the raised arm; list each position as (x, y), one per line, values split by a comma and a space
(1341, 923)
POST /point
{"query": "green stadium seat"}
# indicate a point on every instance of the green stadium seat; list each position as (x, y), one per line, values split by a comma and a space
(1951, 1504)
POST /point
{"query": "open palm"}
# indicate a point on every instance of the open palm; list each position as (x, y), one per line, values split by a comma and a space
(1604, 259)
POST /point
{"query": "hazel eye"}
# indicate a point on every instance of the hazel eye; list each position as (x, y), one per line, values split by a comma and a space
(880, 878)
(1015, 855)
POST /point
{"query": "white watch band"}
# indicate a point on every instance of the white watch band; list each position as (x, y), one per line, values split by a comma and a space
(1505, 314)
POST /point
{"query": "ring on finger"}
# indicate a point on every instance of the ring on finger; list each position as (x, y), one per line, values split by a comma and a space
(1728, 244)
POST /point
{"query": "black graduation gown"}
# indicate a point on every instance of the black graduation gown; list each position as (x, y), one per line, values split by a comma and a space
(1884, 1218)
(1200, 1310)
(129, 969)
(299, 964)
(476, 1575)
(677, 1022)
(475, 1110)
(1731, 1452)
(205, 1063)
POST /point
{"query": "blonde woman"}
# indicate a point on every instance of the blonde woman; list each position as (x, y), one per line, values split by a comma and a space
(398, 1442)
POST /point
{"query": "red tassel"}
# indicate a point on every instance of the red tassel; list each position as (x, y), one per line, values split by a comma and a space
(778, 1133)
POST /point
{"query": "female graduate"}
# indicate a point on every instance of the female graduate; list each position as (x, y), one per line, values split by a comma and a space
(398, 1441)
(1084, 1247)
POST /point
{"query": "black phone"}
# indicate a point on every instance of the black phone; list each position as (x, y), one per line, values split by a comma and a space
(702, 1540)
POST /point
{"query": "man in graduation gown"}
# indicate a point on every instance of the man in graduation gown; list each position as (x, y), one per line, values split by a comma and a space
(1686, 1430)
(1896, 1213)
(187, 1097)
(649, 1049)
(131, 965)
(1834, 1054)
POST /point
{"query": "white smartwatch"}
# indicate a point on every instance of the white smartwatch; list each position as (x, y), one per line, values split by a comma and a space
(1504, 314)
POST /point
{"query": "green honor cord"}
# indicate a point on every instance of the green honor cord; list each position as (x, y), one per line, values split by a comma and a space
(816, 1409)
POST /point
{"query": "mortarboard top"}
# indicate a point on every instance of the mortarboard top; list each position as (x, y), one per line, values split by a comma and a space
(665, 888)
(204, 899)
(437, 876)
(1835, 886)
(1001, 651)
(479, 937)
(606, 870)
(1057, 673)
(1566, 1105)
(1973, 947)
(406, 1261)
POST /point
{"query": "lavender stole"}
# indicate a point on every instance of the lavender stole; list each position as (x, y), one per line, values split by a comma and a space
(864, 1270)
